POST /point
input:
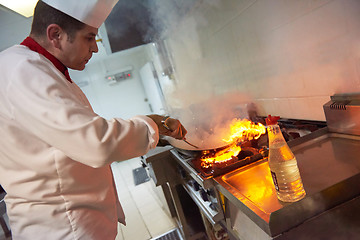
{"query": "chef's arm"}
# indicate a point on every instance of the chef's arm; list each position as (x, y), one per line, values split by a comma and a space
(169, 126)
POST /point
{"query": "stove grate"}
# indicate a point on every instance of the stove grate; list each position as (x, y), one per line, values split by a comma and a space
(245, 157)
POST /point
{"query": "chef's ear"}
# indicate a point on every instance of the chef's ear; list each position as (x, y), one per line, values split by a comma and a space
(54, 33)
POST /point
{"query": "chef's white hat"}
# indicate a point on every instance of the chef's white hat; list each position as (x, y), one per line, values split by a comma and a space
(90, 12)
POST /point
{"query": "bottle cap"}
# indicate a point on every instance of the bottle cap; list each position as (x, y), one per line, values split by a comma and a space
(272, 120)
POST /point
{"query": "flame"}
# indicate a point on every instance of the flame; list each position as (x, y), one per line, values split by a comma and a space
(221, 156)
(240, 130)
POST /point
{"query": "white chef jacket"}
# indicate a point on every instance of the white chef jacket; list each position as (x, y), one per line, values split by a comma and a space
(55, 152)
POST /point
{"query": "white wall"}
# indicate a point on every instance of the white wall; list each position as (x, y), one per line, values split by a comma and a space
(14, 28)
(287, 56)
(124, 99)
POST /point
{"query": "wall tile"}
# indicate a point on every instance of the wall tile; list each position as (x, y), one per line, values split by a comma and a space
(265, 107)
(213, 18)
(283, 108)
(286, 55)
(310, 108)
(352, 8)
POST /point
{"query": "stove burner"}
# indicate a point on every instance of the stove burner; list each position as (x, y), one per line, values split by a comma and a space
(252, 151)
(245, 157)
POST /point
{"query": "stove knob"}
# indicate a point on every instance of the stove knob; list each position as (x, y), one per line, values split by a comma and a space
(182, 173)
(213, 206)
(196, 186)
(204, 195)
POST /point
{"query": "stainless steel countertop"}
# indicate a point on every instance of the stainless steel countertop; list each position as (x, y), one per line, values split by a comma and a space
(157, 153)
(329, 165)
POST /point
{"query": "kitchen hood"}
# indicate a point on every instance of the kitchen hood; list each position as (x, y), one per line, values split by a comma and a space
(137, 22)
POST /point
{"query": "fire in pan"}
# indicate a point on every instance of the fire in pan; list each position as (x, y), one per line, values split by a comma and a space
(236, 151)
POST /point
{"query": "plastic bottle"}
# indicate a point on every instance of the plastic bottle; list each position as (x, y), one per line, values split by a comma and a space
(284, 168)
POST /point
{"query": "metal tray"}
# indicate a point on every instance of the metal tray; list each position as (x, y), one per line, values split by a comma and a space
(329, 165)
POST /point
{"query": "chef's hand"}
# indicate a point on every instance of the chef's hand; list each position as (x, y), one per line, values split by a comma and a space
(169, 126)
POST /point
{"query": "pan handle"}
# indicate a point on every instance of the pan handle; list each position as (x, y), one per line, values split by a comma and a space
(190, 143)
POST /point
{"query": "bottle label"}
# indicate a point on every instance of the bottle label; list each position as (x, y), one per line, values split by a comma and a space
(273, 175)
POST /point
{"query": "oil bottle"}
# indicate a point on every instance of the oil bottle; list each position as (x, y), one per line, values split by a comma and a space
(283, 167)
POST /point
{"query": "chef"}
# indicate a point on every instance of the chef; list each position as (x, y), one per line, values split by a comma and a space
(55, 152)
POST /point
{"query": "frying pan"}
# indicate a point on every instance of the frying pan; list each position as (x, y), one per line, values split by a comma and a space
(190, 151)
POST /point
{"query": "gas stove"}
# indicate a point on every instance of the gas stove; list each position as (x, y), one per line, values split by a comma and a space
(200, 183)
(251, 151)
(246, 156)
(186, 177)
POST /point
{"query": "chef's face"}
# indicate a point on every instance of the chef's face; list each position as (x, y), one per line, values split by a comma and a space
(77, 51)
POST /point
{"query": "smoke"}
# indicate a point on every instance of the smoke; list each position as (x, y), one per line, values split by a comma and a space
(193, 99)
(208, 122)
